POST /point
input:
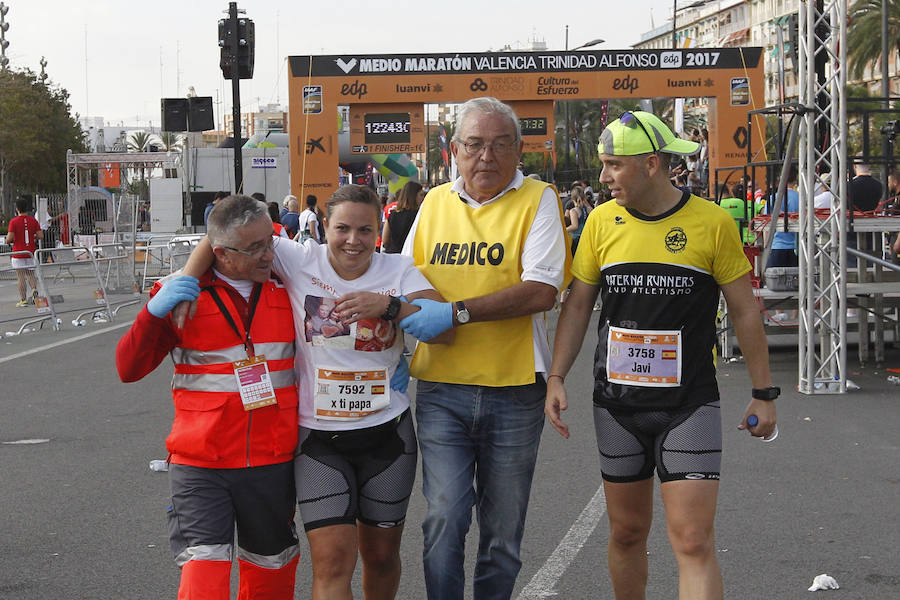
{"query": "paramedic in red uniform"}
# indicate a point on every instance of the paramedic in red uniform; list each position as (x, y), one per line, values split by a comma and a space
(231, 447)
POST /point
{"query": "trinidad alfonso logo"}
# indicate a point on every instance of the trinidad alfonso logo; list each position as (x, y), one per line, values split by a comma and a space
(676, 240)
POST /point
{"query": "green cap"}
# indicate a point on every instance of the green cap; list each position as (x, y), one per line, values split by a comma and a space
(633, 136)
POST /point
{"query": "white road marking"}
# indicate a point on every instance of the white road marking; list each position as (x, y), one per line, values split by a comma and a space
(29, 441)
(543, 584)
(63, 342)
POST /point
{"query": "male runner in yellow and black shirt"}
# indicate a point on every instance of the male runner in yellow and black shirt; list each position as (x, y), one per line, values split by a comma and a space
(658, 257)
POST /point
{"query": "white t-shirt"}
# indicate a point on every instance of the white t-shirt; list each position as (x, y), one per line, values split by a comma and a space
(323, 342)
(543, 255)
(310, 223)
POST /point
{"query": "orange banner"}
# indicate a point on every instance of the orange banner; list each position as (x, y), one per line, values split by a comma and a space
(110, 176)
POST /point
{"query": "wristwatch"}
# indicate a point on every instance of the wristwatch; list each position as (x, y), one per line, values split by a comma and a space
(462, 313)
(767, 393)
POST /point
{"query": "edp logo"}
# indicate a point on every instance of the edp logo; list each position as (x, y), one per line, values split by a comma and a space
(670, 60)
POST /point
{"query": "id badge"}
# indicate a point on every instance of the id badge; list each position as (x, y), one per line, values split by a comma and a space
(650, 358)
(254, 382)
(350, 395)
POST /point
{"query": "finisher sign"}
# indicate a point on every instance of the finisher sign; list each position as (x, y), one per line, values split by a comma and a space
(732, 79)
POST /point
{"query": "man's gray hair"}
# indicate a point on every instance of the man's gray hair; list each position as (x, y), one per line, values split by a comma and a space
(486, 105)
(232, 213)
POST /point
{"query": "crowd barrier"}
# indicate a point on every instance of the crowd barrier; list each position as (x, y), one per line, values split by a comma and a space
(38, 310)
(164, 254)
(74, 286)
(117, 274)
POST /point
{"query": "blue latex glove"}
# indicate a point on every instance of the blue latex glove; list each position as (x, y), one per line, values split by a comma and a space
(400, 378)
(173, 292)
(434, 319)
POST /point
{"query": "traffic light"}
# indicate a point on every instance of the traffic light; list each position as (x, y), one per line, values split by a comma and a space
(246, 31)
(794, 39)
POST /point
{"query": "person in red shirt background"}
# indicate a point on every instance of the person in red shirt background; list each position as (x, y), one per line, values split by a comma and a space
(24, 232)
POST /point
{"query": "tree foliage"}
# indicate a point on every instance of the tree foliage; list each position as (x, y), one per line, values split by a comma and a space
(864, 33)
(36, 130)
(140, 141)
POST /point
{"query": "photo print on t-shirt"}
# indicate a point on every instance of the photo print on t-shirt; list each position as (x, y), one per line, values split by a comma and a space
(374, 335)
(324, 329)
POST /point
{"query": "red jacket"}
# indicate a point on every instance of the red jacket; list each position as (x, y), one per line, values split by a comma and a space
(211, 427)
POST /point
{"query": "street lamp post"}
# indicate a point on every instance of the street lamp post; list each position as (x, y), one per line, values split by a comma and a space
(593, 42)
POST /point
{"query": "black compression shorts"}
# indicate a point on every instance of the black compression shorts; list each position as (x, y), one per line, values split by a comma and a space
(679, 444)
(364, 474)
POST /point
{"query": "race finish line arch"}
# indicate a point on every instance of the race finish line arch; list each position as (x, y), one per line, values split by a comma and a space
(400, 84)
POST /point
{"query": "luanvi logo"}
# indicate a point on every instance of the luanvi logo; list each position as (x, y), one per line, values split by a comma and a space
(346, 67)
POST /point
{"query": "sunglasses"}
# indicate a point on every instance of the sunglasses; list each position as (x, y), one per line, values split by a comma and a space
(629, 120)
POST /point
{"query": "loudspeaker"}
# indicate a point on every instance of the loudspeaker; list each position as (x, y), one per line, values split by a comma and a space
(174, 114)
(200, 113)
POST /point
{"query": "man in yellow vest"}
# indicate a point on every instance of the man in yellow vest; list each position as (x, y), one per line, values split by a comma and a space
(493, 244)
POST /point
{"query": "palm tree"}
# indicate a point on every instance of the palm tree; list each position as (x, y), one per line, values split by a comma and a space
(864, 37)
(171, 142)
(139, 141)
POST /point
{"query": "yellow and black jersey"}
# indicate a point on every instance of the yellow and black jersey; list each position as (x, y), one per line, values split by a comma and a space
(658, 274)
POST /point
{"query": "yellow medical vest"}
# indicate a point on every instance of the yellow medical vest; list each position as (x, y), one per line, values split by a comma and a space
(468, 252)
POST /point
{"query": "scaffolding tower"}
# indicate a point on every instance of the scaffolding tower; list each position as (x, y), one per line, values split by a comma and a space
(822, 241)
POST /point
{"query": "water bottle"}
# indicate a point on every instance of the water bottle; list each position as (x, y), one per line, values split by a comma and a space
(159, 466)
(753, 421)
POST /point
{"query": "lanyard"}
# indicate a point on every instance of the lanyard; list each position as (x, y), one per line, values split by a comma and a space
(254, 299)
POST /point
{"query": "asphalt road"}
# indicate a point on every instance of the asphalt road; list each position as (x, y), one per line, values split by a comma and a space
(84, 517)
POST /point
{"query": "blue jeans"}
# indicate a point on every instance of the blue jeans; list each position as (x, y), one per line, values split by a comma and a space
(479, 446)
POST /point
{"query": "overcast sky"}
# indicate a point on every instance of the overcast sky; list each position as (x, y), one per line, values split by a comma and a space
(118, 58)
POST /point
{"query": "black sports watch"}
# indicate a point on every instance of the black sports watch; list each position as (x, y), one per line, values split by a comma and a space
(462, 313)
(767, 393)
(392, 310)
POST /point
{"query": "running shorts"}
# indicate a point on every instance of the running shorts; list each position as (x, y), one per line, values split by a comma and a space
(679, 444)
(362, 475)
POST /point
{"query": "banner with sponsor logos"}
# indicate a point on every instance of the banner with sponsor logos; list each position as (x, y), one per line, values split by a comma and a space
(732, 79)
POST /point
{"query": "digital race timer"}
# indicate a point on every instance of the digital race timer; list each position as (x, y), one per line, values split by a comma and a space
(533, 125)
(387, 128)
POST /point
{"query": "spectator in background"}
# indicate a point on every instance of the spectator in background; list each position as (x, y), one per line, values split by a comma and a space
(893, 208)
(396, 226)
(784, 245)
(824, 198)
(893, 199)
(209, 207)
(308, 222)
(864, 190)
(577, 215)
(291, 218)
(280, 231)
(24, 232)
(284, 205)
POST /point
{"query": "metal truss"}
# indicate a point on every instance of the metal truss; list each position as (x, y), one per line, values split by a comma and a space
(822, 240)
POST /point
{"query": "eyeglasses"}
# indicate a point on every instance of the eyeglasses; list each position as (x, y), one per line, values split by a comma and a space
(256, 253)
(498, 148)
(628, 119)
